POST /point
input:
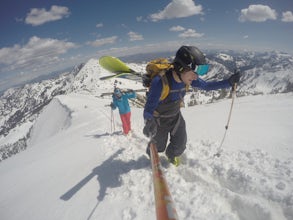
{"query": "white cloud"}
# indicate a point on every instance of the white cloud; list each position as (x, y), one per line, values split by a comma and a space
(139, 18)
(134, 36)
(21, 63)
(177, 28)
(190, 33)
(103, 41)
(245, 37)
(287, 16)
(177, 9)
(35, 54)
(148, 48)
(257, 13)
(99, 25)
(39, 16)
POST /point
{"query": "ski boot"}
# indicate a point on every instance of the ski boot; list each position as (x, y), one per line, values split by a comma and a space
(174, 160)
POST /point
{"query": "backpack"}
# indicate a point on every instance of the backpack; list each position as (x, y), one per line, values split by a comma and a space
(159, 67)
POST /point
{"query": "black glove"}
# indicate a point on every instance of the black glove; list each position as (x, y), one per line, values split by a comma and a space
(150, 128)
(234, 79)
(146, 80)
(112, 105)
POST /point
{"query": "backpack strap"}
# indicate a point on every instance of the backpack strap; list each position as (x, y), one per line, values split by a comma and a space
(165, 82)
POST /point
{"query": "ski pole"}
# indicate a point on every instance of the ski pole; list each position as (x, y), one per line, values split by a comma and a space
(218, 154)
(231, 107)
(112, 121)
(165, 208)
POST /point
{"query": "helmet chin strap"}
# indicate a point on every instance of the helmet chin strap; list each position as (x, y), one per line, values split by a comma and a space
(183, 65)
(179, 75)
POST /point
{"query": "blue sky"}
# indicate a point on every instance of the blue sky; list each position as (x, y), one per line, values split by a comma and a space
(39, 37)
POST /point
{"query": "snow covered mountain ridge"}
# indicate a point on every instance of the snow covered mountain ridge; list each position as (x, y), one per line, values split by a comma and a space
(76, 167)
(262, 73)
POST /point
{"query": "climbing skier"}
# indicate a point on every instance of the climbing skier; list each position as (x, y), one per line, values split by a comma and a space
(163, 117)
(120, 100)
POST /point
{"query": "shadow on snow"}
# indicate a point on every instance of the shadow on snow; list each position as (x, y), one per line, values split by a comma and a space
(108, 174)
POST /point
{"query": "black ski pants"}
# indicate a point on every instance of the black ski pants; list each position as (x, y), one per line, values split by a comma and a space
(176, 128)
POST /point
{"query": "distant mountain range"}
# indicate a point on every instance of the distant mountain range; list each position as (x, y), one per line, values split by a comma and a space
(262, 73)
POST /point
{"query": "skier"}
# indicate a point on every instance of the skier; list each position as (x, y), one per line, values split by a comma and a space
(120, 100)
(163, 117)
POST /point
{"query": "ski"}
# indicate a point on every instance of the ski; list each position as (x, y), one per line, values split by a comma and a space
(114, 65)
(130, 76)
(119, 68)
(123, 91)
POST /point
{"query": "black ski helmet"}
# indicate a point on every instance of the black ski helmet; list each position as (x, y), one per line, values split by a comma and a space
(188, 57)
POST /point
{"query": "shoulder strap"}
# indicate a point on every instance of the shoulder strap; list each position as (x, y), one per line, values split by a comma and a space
(165, 82)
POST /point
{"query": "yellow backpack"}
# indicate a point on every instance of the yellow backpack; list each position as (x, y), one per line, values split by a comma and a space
(159, 67)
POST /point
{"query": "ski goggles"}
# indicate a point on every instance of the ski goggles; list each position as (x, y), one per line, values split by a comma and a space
(201, 69)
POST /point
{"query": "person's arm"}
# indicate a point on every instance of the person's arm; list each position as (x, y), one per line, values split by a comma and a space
(214, 85)
(113, 103)
(131, 95)
(153, 97)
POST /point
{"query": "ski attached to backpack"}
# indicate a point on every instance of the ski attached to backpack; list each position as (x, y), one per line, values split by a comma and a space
(123, 91)
(119, 68)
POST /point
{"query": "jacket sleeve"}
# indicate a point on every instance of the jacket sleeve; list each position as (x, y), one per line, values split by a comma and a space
(131, 95)
(153, 98)
(214, 85)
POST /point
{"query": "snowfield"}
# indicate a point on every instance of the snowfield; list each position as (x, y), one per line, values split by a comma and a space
(76, 168)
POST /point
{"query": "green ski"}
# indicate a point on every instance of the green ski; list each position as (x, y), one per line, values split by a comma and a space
(121, 70)
(130, 76)
(123, 91)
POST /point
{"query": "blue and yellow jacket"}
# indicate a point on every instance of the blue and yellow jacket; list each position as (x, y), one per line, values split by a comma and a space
(153, 99)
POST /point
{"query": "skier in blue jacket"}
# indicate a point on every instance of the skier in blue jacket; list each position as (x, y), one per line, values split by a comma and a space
(120, 100)
(163, 117)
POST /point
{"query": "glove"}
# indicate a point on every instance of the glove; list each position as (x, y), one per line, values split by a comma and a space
(234, 78)
(112, 106)
(146, 80)
(150, 128)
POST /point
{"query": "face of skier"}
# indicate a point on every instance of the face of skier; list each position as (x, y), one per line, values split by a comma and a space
(117, 93)
(188, 76)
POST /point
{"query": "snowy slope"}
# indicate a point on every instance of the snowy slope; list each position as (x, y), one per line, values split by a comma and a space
(82, 171)
(19, 107)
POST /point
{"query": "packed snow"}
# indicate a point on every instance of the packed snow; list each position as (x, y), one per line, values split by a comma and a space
(76, 167)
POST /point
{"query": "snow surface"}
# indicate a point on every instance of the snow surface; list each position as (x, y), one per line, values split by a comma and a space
(76, 168)
(225, 57)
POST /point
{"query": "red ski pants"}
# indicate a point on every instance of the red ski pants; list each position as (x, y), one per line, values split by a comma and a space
(125, 118)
